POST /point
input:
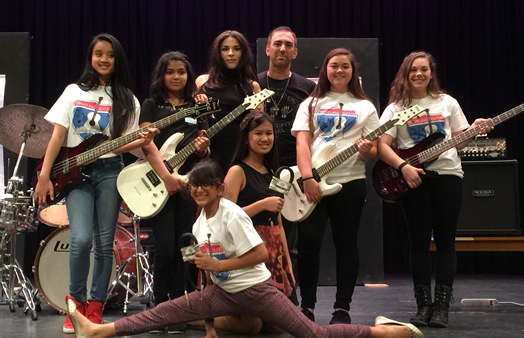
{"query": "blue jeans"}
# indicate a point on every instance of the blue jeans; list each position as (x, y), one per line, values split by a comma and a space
(92, 208)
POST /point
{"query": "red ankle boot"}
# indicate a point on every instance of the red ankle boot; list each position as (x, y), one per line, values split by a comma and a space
(94, 311)
(81, 307)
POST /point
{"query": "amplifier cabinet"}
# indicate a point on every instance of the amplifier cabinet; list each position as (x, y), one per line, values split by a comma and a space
(490, 205)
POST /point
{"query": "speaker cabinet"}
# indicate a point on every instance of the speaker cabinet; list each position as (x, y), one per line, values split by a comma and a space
(490, 205)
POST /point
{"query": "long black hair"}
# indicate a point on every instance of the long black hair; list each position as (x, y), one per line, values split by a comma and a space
(244, 73)
(122, 113)
(250, 122)
(158, 90)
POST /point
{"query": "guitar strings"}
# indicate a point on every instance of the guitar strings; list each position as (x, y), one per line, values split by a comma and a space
(74, 160)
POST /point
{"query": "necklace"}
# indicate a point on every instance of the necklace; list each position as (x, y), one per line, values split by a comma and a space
(274, 110)
(174, 102)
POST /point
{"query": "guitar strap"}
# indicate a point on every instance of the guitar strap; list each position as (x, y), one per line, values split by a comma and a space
(429, 122)
(430, 173)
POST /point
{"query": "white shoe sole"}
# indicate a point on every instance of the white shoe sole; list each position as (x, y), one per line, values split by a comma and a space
(71, 308)
(415, 332)
(69, 331)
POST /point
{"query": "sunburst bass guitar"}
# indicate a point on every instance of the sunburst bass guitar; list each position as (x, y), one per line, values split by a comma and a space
(389, 182)
(67, 171)
(296, 206)
(144, 191)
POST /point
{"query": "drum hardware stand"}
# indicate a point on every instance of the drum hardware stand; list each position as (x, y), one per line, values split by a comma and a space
(141, 269)
(10, 269)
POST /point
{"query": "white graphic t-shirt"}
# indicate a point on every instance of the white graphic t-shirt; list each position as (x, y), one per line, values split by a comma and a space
(85, 113)
(232, 235)
(339, 121)
(446, 117)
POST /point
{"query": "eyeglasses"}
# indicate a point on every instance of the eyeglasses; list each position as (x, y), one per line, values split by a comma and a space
(205, 187)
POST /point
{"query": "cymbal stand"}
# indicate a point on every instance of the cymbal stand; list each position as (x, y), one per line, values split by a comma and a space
(11, 274)
(144, 278)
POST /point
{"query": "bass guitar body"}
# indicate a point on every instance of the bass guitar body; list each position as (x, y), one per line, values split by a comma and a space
(388, 181)
(296, 206)
(69, 173)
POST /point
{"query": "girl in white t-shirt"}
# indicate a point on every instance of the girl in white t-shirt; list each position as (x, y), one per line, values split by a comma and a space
(100, 102)
(241, 282)
(433, 205)
(338, 114)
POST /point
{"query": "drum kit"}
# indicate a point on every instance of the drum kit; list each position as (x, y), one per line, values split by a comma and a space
(24, 130)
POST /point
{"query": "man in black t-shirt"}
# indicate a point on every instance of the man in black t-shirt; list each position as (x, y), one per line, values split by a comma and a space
(290, 90)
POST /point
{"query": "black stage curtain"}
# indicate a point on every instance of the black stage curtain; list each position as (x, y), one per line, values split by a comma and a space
(477, 43)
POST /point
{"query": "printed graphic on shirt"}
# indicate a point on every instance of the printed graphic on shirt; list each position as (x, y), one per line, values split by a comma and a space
(86, 122)
(335, 122)
(419, 127)
(217, 253)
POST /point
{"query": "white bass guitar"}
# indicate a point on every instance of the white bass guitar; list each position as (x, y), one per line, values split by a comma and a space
(296, 206)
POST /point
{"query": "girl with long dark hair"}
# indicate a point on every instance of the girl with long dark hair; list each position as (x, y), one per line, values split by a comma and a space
(101, 101)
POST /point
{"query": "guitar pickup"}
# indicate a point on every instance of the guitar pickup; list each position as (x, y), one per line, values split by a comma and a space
(153, 178)
(300, 181)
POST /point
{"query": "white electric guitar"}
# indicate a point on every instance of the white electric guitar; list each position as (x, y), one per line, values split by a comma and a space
(144, 191)
(296, 206)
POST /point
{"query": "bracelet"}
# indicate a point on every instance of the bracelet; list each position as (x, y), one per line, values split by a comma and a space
(308, 178)
(402, 166)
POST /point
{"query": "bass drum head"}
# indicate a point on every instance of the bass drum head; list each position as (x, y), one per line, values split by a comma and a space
(51, 269)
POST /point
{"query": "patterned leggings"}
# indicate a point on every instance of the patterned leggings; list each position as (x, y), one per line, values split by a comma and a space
(263, 300)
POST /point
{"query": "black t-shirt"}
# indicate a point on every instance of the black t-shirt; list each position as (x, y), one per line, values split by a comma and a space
(152, 112)
(287, 99)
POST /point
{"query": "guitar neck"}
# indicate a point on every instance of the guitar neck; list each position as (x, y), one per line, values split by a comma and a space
(350, 151)
(109, 146)
(431, 153)
(183, 154)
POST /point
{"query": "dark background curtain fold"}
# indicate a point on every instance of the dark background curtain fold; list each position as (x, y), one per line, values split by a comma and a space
(478, 46)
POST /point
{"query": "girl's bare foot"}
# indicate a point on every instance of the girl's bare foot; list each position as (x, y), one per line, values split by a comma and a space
(83, 326)
(75, 317)
(385, 327)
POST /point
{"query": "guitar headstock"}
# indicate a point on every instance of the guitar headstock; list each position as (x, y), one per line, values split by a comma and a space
(251, 102)
(402, 117)
(201, 108)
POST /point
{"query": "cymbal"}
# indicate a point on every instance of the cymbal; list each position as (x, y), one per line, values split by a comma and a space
(15, 119)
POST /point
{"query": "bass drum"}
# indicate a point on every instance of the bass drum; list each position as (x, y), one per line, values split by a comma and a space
(51, 268)
(124, 249)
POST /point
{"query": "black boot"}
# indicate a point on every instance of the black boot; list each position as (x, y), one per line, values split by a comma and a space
(441, 306)
(424, 305)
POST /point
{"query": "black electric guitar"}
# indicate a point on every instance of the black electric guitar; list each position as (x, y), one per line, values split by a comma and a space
(389, 182)
(67, 171)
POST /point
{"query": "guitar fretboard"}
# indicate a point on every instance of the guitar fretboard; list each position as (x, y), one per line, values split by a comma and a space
(350, 151)
(251, 101)
(189, 149)
(431, 153)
